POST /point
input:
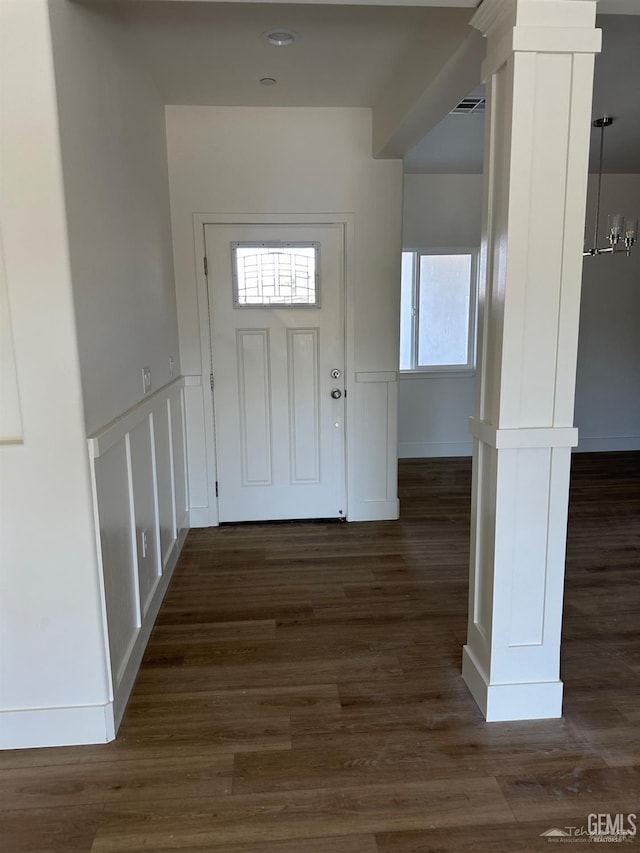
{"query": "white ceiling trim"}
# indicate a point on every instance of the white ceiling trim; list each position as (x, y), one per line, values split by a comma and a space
(446, 4)
(605, 7)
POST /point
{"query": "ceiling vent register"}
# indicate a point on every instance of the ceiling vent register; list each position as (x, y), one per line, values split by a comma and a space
(468, 106)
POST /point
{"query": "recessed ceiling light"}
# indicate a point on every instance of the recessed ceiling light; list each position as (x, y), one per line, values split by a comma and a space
(280, 37)
(268, 81)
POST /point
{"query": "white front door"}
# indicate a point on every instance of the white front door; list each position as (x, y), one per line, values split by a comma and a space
(276, 297)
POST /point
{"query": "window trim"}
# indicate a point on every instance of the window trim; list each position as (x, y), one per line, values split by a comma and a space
(443, 370)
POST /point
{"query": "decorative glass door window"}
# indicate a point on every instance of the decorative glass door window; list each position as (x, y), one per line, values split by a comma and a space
(275, 274)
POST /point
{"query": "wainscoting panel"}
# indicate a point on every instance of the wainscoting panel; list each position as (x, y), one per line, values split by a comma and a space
(163, 453)
(203, 508)
(177, 421)
(140, 495)
(373, 494)
(120, 583)
(144, 508)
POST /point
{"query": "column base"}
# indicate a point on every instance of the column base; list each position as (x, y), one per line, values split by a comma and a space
(541, 700)
(27, 728)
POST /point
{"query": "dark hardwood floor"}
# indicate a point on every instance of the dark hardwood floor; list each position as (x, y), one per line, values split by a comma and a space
(301, 693)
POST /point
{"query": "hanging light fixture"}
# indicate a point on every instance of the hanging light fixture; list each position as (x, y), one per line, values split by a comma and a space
(623, 232)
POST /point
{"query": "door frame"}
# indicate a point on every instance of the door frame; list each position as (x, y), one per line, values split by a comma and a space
(346, 221)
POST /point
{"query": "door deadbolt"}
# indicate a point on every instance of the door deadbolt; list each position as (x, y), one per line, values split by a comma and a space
(336, 393)
(335, 373)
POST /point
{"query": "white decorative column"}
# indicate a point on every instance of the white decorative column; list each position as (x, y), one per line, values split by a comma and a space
(539, 77)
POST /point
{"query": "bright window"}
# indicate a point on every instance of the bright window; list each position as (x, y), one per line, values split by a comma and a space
(275, 274)
(437, 310)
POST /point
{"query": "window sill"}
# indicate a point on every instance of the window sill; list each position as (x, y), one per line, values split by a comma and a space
(444, 373)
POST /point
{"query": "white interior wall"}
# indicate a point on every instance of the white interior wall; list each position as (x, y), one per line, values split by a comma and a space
(10, 419)
(434, 411)
(116, 184)
(53, 666)
(287, 161)
(113, 142)
(89, 283)
(439, 211)
(607, 410)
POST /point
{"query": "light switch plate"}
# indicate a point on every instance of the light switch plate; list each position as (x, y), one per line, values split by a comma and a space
(146, 380)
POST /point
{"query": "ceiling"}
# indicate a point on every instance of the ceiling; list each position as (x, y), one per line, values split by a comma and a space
(616, 95)
(455, 146)
(212, 53)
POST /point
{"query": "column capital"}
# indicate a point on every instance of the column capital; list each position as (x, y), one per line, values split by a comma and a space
(549, 26)
(494, 14)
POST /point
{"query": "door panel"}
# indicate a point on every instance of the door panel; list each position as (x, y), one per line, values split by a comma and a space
(254, 395)
(279, 432)
(303, 355)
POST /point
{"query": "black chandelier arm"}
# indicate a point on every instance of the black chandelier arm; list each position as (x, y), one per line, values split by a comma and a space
(607, 250)
(603, 122)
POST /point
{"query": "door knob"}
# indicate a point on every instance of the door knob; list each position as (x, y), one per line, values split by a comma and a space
(336, 393)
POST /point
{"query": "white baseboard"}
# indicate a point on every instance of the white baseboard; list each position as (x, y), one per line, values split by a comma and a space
(607, 443)
(199, 516)
(122, 690)
(374, 511)
(37, 727)
(435, 449)
(505, 702)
